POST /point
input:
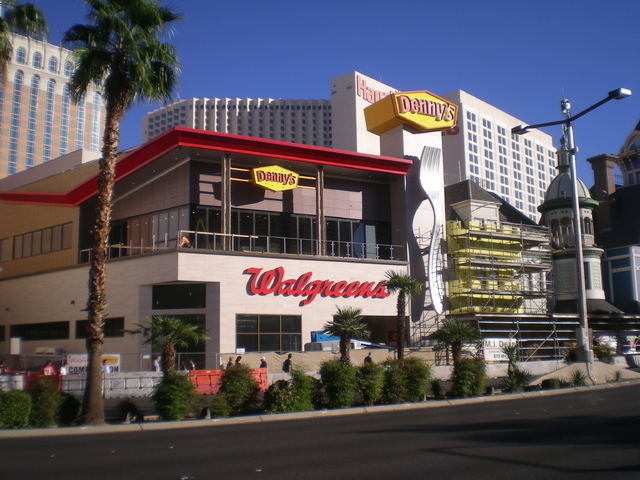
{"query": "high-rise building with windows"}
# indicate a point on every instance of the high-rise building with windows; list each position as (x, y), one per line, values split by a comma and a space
(299, 121)
(481, 148)
(38, 119)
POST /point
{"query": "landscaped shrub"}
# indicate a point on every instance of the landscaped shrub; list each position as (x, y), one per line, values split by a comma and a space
(219, 407)
(436, 389)
(339, 382)
(393, 390)
(578, 378)
(173, 396)
(239, 387)
(415, 374)
(516, 381)
(45, 402)
(70, 409)
(550, 383)
(603, 352)
(469, 378)
(369, 382)
(15, 408)
(293, 395)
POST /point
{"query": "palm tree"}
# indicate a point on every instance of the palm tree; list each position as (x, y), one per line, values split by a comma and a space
(454, 333)
(347, 324)
(25, 19)
(406, 286)
(121, 51)
(170, 334)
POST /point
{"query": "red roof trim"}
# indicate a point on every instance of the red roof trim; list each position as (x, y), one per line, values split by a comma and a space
(186, 137)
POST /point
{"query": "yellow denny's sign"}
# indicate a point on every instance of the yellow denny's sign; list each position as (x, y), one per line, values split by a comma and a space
(421, 110)
(275, 178)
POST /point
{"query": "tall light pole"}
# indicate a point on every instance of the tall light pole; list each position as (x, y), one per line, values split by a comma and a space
(586, 354)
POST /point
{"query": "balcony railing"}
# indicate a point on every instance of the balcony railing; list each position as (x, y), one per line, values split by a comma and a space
(219, 242)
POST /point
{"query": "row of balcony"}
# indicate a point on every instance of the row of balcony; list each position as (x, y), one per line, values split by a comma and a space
(219, 242)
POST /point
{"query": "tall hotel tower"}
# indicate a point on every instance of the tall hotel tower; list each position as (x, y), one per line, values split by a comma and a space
(38, 120)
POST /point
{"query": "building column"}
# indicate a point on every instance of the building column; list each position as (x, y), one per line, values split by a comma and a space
(226, 200)
(320, 222)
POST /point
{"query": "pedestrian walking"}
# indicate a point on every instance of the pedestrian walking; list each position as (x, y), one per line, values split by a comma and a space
(287, 364)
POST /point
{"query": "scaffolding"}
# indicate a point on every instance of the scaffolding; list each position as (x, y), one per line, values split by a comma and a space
(499, 277)
(495, 268)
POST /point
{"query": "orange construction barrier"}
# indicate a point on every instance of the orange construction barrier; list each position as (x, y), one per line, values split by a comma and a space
(208, 382)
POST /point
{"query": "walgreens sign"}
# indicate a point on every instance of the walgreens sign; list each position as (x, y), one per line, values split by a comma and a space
(273, 282)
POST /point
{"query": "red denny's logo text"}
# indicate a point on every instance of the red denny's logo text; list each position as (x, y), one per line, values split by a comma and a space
(272, 282)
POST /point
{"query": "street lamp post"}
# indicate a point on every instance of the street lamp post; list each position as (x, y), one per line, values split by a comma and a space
(586, 353)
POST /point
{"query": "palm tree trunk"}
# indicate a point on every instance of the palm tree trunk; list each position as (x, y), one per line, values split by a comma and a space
(168, 359)
(93, 402)
(345, 347)
(400, 325)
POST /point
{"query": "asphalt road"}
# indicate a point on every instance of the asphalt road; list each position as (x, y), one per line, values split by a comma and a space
(592, 434)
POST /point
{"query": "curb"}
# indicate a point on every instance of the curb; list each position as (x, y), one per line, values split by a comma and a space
(278, 417)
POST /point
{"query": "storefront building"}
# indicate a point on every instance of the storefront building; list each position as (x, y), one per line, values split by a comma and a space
(257, 240)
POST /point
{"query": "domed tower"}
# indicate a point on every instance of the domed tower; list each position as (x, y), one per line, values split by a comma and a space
(557, 214)
(629, 159)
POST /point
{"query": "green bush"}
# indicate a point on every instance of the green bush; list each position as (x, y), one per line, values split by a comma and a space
(436, 389)
(578, 378)
(405, 381)
(603, 352)
(70, 410)
(469, 378)
(219, 406)
(293, 395)
(15, 409)
(415, 374)
(239, 387)
(393, 390)
(45, 402)
(369, 382)
(550, 383)
(339, 382)
(516, 380)
(173, 396)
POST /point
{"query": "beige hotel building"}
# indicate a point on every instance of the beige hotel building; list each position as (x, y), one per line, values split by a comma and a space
(38, 119)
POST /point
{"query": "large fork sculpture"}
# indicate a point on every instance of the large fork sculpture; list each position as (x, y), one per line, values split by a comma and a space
(431, 183)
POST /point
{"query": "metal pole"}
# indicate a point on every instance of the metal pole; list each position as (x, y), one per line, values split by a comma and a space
(585, 347)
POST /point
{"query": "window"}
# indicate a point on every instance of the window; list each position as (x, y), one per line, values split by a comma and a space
(180, 295)
(21, 55)
(113, 327)
(53, 64)
(48, 121)
(269, 333)
(40, 331)
(31, 124)
(50, 239)
(37, 60)
(15, 122)
(64, 120)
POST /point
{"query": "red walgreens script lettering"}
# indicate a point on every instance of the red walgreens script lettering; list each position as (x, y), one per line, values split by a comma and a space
(272, 282)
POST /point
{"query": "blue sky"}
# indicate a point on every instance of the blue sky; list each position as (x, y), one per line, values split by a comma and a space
(522, 57)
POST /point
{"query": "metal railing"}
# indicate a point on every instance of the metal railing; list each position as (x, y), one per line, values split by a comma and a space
(257, 244)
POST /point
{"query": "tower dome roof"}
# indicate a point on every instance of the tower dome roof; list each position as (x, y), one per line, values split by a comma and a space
(560, 188)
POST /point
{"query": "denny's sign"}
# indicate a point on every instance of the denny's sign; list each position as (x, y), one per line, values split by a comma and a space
(421, 110)
(275, 178)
